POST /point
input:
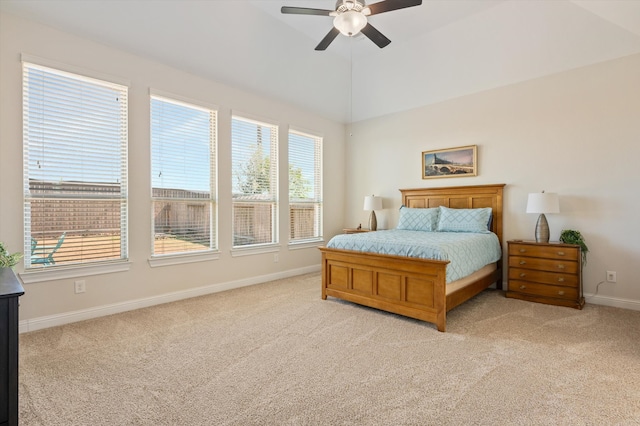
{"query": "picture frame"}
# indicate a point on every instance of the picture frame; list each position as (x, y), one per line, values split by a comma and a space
(451, 162)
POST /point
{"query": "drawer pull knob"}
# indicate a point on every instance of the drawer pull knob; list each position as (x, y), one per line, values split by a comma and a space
(560, 266)
(522, 262)
(560, 253)
(561, 293)
(560, 279)
(523, 250)
(522, 274)
(522, 287)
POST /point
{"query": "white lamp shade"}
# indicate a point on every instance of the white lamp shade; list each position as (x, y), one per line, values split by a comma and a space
(371, 202)
(350, 22)
(543, 202)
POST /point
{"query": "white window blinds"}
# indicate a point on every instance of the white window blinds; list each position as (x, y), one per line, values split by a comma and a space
(182, 177)
(75, 168)
(305, 187)
(254, 152)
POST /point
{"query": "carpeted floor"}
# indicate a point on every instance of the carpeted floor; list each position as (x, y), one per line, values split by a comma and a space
(276, 354)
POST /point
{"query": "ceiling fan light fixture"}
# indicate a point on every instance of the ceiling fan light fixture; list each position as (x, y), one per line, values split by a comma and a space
(350, 22)
(350, 18)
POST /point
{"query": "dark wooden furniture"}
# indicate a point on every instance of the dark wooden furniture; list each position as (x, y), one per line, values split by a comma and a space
(410, 286)
(10, 290)
(546, 273)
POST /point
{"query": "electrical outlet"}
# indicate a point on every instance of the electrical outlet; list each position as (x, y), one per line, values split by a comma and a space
(276, 258)
(611, 276)
(80, 286)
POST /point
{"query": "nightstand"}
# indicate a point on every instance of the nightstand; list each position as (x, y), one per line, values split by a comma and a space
(548, 273)
(354, 230)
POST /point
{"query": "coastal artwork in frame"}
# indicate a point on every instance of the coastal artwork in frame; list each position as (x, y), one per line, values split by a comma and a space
(451, 162)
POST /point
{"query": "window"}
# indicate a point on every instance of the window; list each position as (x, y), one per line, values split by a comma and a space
(182, 177)
(254, 156)
(75, 168)
(305, 187)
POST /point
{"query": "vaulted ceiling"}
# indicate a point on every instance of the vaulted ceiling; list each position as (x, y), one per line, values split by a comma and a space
(440, 50)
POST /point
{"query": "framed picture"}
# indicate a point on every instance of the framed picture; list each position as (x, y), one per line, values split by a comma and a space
(452, 162)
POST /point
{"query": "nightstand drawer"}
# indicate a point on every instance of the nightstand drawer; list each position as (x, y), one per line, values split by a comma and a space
(542, 277)
(552, 265)
(547, 251)
(545, 290)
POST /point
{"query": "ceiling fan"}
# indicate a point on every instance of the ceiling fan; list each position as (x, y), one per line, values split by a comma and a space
(350, 18)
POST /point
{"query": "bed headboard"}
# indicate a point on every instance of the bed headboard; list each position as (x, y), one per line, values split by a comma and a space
(459, 197)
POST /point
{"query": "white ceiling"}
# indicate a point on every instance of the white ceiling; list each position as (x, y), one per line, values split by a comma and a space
(440, 50)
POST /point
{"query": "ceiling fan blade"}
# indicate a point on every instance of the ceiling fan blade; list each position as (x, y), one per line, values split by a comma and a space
(388, 5)
(305, 11)
(326, 41)
(375, 36)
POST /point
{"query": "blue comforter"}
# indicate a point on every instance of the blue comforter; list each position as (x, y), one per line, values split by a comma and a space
(467, 252)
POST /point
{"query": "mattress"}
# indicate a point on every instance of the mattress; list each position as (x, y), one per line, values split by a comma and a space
(467, 252)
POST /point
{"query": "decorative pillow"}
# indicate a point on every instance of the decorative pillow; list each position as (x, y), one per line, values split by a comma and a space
(464, 220)
(418, 219)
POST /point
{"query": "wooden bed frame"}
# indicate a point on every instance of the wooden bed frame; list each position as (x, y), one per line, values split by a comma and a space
(408, 286)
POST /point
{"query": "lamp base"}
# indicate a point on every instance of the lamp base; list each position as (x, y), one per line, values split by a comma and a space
(542, 229)
(373, 222)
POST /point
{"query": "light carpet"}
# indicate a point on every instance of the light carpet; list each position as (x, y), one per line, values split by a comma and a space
(276, 354)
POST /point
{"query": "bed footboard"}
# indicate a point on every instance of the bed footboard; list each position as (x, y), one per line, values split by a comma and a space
(406, 286)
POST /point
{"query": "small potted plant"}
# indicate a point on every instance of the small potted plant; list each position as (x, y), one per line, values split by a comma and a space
(8, 260)
(569, 236)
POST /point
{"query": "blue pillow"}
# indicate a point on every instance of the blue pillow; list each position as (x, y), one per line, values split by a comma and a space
(418, 219)
(464, 220)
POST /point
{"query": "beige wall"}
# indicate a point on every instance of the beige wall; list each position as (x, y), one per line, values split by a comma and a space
(51, 302)
(576, 133)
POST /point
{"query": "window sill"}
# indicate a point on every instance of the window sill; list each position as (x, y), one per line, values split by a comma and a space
(64, 272)
(249, 251)
(179, 259)
(297, 245)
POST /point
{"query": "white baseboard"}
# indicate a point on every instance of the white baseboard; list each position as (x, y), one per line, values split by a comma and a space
(100, 311)
(634, 305)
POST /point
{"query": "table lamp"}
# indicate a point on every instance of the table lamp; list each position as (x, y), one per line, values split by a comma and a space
(372, 203)
(543, 202)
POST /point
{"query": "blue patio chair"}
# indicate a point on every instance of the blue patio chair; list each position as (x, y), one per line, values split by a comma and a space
(43, 255)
